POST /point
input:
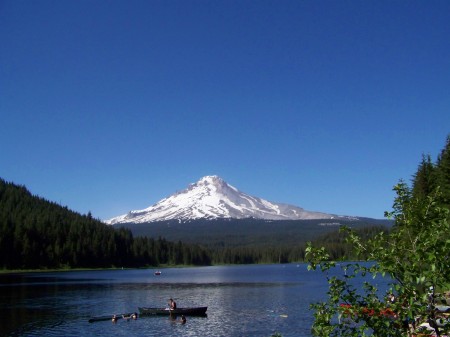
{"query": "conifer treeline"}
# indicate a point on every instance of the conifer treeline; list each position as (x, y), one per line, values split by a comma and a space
(36, 233)
(334, 242)
(431, 175)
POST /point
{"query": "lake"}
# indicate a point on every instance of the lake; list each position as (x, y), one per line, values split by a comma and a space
(249, 300)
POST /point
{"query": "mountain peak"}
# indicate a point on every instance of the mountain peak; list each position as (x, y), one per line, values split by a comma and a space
(210, 198)
(209, 180)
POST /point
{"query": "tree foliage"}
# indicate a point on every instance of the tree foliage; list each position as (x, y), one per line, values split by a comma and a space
(424, 181)
(430, 175)
(414, 255)
(443, 173)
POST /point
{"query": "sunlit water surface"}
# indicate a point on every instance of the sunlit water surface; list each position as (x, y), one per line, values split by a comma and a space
(254, 300)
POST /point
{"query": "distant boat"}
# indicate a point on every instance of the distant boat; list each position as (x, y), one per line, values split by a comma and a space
(157, 272)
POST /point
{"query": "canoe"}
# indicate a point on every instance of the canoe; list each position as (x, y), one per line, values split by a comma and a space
(191, 311)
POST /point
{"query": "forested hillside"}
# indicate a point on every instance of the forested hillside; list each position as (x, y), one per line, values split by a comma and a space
(249, 232)
(36, 233)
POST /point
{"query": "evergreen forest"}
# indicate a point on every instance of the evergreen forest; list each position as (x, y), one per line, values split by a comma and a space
(38, 234)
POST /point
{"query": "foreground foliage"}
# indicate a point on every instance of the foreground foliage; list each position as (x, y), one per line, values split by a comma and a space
(414, 255)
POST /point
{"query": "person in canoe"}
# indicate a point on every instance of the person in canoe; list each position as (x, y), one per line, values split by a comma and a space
(114, 319)
(172, 304)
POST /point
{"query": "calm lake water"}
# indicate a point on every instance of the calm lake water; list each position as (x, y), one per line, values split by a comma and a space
(250, 301)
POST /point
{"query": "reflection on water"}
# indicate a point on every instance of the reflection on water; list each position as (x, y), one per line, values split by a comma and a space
(242, 301)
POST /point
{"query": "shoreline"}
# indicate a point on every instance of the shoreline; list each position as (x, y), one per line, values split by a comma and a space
(160, 267)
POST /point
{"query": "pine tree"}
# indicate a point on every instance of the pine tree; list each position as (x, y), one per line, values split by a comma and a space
(443, 172)
(424, 181)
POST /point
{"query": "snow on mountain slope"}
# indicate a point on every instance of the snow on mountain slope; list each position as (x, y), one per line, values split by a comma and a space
(210, 198)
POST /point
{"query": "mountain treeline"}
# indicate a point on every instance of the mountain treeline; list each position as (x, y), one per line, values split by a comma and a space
(36, 233)
(247, 241)
(333, 241)
(218, 233)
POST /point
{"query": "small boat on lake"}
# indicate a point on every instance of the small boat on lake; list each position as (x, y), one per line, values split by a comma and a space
(157, 272)
(190, 311)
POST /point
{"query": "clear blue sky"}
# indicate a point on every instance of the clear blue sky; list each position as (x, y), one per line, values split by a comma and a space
(109, 106)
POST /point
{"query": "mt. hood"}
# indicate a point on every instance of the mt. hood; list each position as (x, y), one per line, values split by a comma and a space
(211, 198)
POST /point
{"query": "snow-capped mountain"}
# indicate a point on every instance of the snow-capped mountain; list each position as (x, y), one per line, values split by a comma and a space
(211, 198)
